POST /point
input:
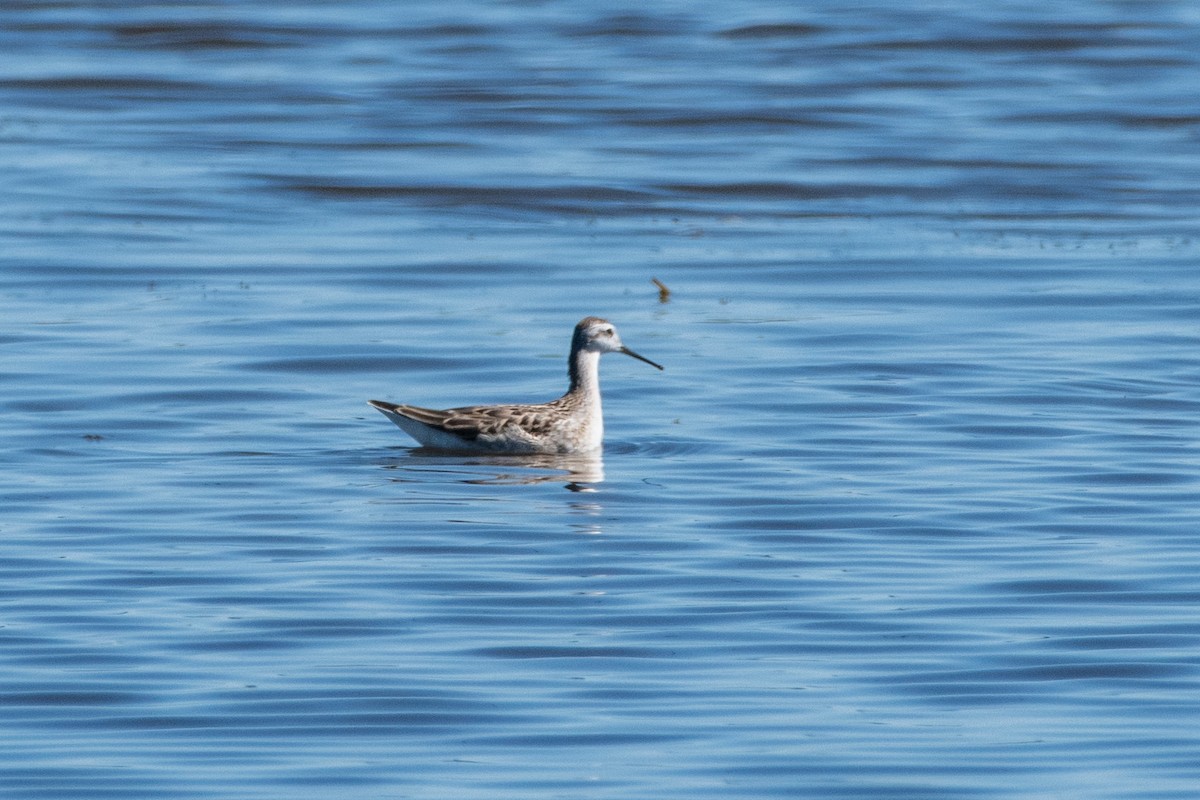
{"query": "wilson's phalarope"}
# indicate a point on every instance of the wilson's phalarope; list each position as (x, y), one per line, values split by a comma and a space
(571, 424)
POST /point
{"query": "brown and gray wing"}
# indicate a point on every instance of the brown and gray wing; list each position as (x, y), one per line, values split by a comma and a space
(468, 423)
(471, 422)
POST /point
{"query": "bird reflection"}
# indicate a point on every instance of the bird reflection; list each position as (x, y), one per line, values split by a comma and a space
(577, 472)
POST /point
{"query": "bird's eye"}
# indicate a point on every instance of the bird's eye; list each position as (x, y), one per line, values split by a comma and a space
(607, 332)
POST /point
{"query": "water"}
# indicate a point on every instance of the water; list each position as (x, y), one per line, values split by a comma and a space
(910, 514)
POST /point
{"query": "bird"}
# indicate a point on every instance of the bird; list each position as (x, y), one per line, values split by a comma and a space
(571, 424)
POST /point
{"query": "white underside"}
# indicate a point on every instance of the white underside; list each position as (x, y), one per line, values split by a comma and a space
(429, 437)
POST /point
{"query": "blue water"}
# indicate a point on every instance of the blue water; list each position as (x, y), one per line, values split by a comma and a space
(911, 513)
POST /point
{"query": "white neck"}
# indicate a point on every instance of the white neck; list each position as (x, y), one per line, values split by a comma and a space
(585, 375)
(585, 396)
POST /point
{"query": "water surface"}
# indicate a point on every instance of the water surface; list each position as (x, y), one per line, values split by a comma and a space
(910, 513)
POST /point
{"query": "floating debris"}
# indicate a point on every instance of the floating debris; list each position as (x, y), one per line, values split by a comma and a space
(664, 294)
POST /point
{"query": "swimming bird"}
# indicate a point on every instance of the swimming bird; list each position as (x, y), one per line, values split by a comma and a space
(571, 424)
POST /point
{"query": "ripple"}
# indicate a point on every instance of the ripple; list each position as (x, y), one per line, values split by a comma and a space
(337, 364)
